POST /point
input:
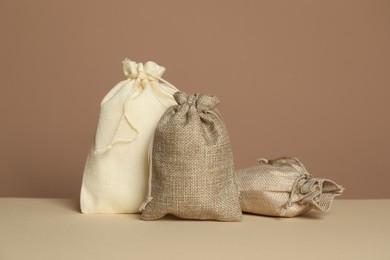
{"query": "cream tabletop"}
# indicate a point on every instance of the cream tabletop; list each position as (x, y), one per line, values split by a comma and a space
(55, 229)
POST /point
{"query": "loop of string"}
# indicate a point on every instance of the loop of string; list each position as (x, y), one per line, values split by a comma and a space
(294, 190)
(166, 83)
(287, 160)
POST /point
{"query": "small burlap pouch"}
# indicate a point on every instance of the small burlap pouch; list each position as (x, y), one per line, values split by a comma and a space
(192, 174)
(283, 187)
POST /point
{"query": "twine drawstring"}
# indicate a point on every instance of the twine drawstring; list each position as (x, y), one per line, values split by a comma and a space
(294, 190)
(149, 193)
(299, 167)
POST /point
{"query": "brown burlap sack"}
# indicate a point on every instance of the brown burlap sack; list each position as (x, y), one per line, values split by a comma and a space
(283, 187)
(192, 164)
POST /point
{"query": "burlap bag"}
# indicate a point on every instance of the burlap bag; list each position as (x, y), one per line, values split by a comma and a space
(283, 187)
(192, 164)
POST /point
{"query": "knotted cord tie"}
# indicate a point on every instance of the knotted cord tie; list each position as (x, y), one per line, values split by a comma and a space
(304, 176)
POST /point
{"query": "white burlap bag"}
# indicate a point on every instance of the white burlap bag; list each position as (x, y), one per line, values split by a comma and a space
(116, 171)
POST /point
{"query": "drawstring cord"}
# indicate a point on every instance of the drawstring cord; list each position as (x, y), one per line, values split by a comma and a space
(143, 76)
(149, 193)
(300, 168)
(294, 190)
(139, 78)
(139, 82)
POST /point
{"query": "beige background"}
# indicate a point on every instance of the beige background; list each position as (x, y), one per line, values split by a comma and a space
(304, 78)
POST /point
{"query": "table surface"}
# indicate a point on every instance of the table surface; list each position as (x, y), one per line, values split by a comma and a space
(55, 229)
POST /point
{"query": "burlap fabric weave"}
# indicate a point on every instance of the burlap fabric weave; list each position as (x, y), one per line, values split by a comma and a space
(283, 187)
(192, 164)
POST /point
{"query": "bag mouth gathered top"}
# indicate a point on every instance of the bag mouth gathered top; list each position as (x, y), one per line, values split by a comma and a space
(141, 77)
(283, 187)
(116, 171)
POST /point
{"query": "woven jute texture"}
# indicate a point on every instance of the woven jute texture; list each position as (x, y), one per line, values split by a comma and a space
(283, 187)
(192, 164)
